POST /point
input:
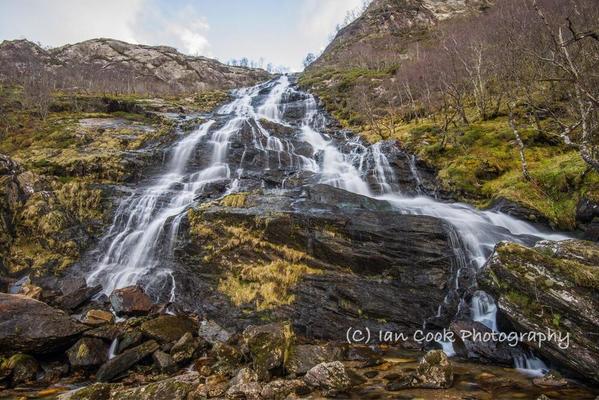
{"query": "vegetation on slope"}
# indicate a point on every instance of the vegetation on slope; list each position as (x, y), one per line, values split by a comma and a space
(491, 99)
(67, 150)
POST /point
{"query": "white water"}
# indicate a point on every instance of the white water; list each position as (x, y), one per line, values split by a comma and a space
(112, 349)
(134, 250)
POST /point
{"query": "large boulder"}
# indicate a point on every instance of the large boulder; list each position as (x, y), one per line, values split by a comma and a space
(342, 260)
(553, 287)
(121, 363)
(88, 352)
(268, 346)
(168, 328)
(305, 356)
(434, 372)
(35, 327)
(130, 301)
(330, 377)
(20, 368)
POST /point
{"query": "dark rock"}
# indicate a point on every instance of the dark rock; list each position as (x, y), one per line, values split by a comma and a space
(88, 352)
(586, 210)
(53, 371)
(122, 362)
(268, 346)
(331, 377)
(32, 326)
(164, 361)
(75, 297)
(491, 351)
(302, 358)
(130, 301)
(168, 328)
(550, 287)
(128, 339)
(514, 209)
(21, 368)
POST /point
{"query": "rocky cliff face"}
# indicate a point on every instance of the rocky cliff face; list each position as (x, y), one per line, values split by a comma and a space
(100, 63)
(389, 26)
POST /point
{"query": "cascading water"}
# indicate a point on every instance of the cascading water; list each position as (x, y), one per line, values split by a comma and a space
(138, 247)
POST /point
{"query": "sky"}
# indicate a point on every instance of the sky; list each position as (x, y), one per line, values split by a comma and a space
(281, 32)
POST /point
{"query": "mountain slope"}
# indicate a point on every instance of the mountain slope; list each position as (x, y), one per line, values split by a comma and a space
(107, 64)
(463, 86)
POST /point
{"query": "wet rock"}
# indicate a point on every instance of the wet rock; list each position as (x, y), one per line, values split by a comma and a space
(281, 388)
(98, 317)
(106, 332)
(130, 301)
(164, 361)
(493, 351)
(506, 206)
(129, 339)
(213, 332)
(369, 261)
(331, 377)
(268, 346)
(176, 388)
(168, 328)
(214, 386)
(88, 352)
(96, 391)
(20, 368)
(32, 326)
(586, 210)
(76, 294)
(551, 379)
(550, 288)
(434, 372)
(186, 348)
(366, 355)
(121, 363)
(303, 357)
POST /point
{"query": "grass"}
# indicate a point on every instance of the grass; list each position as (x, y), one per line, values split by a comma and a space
(254, 272)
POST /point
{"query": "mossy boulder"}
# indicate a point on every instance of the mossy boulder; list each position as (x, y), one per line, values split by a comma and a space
(20, 368)
(552, 286)
(168, 328)
(176, 388)
(88, 352)
(268, 346)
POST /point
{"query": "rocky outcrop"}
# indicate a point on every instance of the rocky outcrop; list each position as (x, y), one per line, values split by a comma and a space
(351, 260)
(34, 327)
(112, 63)
(121, 363)
(130, 301)
(551, 287)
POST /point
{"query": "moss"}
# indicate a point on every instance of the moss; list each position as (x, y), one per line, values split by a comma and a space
(516, 257)
(253, 271)
(267, 285)
(236, 200)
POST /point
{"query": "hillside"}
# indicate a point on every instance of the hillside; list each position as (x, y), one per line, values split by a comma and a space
(464, 86)
(112, 65)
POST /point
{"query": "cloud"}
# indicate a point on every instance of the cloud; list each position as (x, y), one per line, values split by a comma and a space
(56, 23)
(318, 18)
(180, 26)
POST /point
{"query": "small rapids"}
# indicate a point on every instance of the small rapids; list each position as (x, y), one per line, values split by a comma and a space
(138, 246)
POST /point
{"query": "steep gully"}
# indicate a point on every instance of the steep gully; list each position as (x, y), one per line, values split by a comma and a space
(138, 247)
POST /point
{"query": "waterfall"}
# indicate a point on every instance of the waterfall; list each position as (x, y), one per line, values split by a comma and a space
(138, 247)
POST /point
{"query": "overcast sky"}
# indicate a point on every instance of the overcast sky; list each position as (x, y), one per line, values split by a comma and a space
(279, 31)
